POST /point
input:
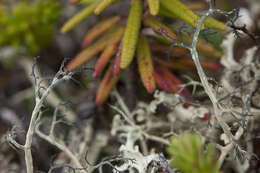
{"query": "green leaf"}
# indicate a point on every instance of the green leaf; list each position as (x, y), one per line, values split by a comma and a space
(188, 156)
(131, 33)
(79, 17)
(154, 6)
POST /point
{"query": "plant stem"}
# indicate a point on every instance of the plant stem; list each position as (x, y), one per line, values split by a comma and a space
(31, 130)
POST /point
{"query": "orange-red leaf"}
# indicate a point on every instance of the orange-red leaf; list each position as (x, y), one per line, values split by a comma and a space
(165, 75)
(74, 1)
(107, 54)
(107, 84)
(188, 64)
(195, 6)
(99, 29)
(173, 81)
(103, 60)
(205, 64)
(145, 64)
(87, 54)
(117, 68)
(174, 51)
(172, 64)
(162, 83)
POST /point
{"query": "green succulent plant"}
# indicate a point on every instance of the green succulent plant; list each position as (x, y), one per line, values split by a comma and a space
(125, 40)
(188, 154)
(30, 25)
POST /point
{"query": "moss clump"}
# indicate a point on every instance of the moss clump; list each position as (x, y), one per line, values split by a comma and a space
(30, 25)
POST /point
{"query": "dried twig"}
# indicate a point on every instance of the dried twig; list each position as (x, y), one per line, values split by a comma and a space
(54, 141)
(40, 97)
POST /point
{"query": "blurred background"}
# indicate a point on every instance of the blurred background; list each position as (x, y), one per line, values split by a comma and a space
(30, 29)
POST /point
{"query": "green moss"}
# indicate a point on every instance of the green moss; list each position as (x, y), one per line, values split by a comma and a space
(30, 25)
